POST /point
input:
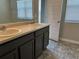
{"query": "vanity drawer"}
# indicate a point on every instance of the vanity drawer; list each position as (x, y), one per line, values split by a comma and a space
(26, 38)
(46, 29)
(39, 32)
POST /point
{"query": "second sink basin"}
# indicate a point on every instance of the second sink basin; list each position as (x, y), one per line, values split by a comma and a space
(9, 32)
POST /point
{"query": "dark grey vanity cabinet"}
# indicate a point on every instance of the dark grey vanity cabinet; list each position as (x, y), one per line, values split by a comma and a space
(10, 55)
(28, 46)
(9, 51)
(27, 50)
(38, 46)
(41, 40)
(45, 37)
(19, 48)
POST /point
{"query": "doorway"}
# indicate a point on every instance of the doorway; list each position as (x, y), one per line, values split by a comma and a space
(51, 13)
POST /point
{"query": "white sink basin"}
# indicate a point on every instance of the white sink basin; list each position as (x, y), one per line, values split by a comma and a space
(9, 32)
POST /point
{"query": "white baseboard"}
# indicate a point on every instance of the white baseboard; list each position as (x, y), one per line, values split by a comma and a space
(71, 41)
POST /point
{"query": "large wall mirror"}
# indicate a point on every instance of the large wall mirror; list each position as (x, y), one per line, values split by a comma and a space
(17, 10)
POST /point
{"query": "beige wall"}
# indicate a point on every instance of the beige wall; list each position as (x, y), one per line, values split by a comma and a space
(4, 11)
(71, 31)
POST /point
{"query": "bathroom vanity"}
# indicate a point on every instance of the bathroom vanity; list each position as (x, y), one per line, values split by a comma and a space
(27, 44)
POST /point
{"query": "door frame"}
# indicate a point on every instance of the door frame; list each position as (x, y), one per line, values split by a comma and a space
(63, 13)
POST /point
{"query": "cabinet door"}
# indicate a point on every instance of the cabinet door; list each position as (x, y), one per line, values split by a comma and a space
(27, 50)
(38, 45)
(11, 55)
(46, 37)
(46, 40)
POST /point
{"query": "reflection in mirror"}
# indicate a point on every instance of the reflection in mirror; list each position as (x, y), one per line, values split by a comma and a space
(24, 8)
(15, 10)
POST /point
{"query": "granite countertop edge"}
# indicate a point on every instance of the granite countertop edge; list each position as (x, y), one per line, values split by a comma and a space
(21, 34)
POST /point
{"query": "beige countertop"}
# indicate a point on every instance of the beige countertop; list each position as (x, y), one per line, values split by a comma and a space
(25, 29)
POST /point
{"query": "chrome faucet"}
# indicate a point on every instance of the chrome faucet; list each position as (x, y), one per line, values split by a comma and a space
(2, 27)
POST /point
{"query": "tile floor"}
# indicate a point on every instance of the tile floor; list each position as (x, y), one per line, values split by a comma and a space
(61, 50)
